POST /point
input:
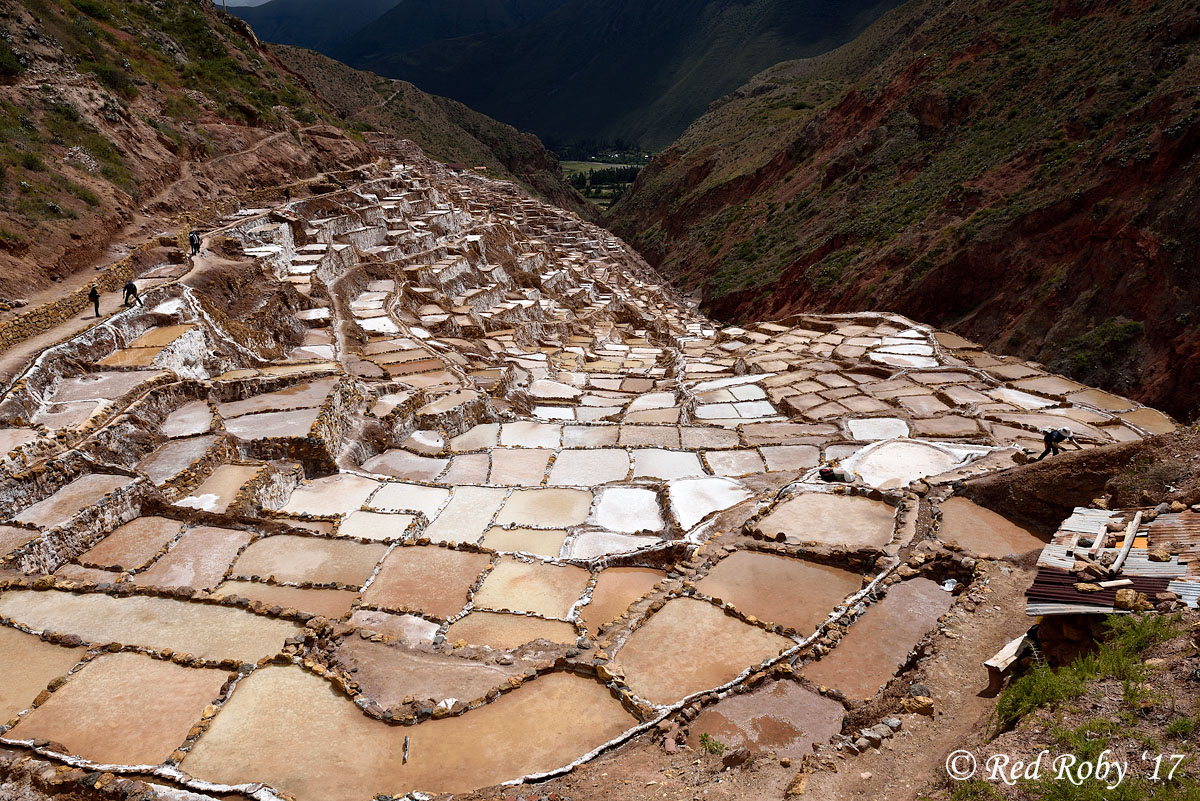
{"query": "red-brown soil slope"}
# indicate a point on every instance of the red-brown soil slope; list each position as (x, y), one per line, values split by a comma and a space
(1020, 171)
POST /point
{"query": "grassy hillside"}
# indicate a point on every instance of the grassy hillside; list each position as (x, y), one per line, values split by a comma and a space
(111, 113)
(1021, 172)
(596, 71)
(445, 129)
(117, 116)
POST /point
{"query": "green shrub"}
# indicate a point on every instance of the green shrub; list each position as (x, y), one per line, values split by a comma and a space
(711, 745)
(1118, 656)
(112, 77)
(974, 790)
(10, 66)
(93, 9)
(1181, 728)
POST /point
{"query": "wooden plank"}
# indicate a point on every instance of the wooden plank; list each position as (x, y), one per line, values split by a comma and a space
(1130, 534)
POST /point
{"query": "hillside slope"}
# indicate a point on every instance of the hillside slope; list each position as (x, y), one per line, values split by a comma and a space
(116, 116)
(579, 71)
(1024, 173)
(445, 129)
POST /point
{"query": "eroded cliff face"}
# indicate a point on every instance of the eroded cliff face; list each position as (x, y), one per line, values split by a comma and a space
(1022, 173)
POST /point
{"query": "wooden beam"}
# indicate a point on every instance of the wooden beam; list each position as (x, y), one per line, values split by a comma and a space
(1130, 534)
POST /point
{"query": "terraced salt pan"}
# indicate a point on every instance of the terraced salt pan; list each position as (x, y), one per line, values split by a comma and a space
(80, 494)
(694, 499)
(898, 463)
(628, 510)
(276, 729)
(199, 560)
(848, 520)
(616, 588)
(264, 425)
(389, 674)
(28, 664)
(188, 420)
(410, 628)
(138, 709)
(57, 416)
(220, 489)
(880, 640)
(984, 532)
(735, 463)
(332, 604)
(426, 579)
(869, 429)
(530, 435)
(174, 457)
(376, 525)
(211, 632)
(13, 438)
(395, 496)
(781, 718)
(13, 537)
(595, 544)
(551, 508)
(160, 337)
(689, 646)
(333, 495)
(544, 589)
(103, 385)
(406, 465)
(664, 464)
(134, 544)
(468, 515)
(589, 468)
(520, 467)
(541, 542)
(778, 589)
(310, 560)
(507, 632)
(297, 396)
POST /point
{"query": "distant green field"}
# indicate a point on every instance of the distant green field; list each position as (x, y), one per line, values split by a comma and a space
(575, 167)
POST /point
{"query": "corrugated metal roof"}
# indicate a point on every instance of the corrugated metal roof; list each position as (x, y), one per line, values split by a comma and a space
(1188, 592)
(1044, 609)
(1087, 521)
(1182, 530)
(1055, 585)
(1136, 564)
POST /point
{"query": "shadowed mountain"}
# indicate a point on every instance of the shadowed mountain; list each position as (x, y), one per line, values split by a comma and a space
(594, 70)
(315, 24)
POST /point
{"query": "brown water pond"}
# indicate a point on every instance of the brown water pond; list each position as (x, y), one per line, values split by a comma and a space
(879, 641)
(782, 718)
(211, 632)
(287, 728)
(124, 709)
(788, 592)
(429, 579)
(689, 646)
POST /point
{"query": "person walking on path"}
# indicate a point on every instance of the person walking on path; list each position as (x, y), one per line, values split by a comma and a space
(94, 297)
(194, 241)
(131, 294)
(1052, 437)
